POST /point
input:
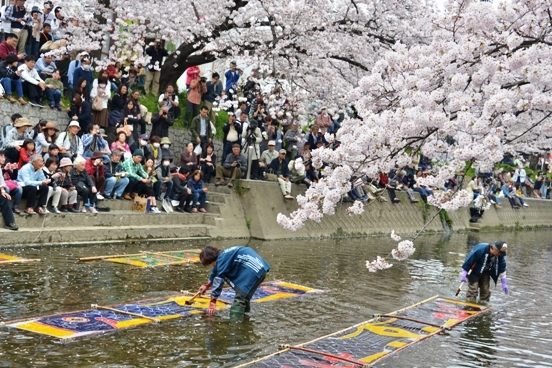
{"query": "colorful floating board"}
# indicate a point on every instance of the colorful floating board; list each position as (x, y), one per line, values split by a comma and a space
(368, 342)
(102, 319)
(4, 258)
(152, 259)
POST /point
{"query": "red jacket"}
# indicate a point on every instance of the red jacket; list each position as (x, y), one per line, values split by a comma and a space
(91, 169)
(24, 157)
(5, 50)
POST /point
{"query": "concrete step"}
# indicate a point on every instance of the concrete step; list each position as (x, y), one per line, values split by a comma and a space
(76, 234)
(112, 219)
(118, 205)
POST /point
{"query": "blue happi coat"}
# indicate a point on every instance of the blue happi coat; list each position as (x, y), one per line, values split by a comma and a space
(480, 255)
(240, 267)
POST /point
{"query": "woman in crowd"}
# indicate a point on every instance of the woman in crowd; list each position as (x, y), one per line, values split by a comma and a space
(47, 137)
(207, 161)
(188, 157)
(95, 169)
(199, 193)
(68, 189)
(154, 149)
(119, 98)
(38, 128)
(82, 89)
(14, 139)
(100, 90)
(121, 144)
(197, 88)
(51, 172)
(84, 185)
(181, 192)
(81, 113)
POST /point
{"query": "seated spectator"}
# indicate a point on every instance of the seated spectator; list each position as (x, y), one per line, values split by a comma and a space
(323, 121)
(34, 184)
(33, 85)
(138, 180)
(95, 169)
(68, 190)
(199, 192)
(267, 157)
(115, 178)
(45, 66)
(234, 167)
(81, 112)
(154, 150)
(45, 138)
(84, 185)
(490, 196)
(51, 172)
(14, 139)
(10, 78)
(509, 192)
(149, 168)
(8, 46)
(207, 162)
(311, 176)
(74, 64)
(45, 36)
(53, 151)
(114, 73)
(296, 174)
(119, 99)
(410, 182)
(475, 186)
(537, 188)
(169, 100)
(164, 177)
(280, 168)
(121, 144)
(93, 142)
(142, 144)
(8, 171)
(54, 90)
(165, 147)
(181, 192)
(69, 142)
(160, 123)
(84, 71)
(400, 184)
(26, 152)
(315, 136)
(188, 157)
(5, 205)
(306, 152)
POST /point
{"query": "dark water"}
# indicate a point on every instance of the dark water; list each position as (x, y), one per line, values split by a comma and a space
(515, 334)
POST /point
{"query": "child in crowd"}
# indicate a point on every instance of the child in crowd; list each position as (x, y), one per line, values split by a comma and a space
(26, 151)
(199, 193)
(241, 267)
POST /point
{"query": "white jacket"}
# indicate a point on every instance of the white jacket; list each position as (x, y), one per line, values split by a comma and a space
(29, 75)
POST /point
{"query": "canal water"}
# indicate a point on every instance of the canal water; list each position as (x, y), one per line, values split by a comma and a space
(515, 334)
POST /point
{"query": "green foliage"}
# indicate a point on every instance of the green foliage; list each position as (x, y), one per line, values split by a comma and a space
(445, 218)
(425, 210)
(239, 189)
(248, 224)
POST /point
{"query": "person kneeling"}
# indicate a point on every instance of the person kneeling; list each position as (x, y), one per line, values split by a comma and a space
(241, 267)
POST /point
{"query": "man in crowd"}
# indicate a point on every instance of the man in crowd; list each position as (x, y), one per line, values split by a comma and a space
(234, 166)
(33, 85)
(169, 100)
(34, 184)
(485, 261)
(156, 52)
(10, 79)
(21, 21)
(94, 142)
(232, 135)
(201, 129)
(280, 168)
(232, 77)
(292, 139)
(509, 192)
(267, 157)
(214, 91)
(9, 47)
(115, 178)
(46, 66)
(69, 142)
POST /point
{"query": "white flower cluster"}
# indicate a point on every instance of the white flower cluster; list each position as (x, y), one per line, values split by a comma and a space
(404, 250)
(379, 264)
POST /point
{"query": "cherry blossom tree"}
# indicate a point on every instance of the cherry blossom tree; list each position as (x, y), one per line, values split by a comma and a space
(481, 86)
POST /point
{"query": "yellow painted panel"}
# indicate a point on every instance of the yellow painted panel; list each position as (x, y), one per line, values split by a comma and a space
(382, 331)
(430, 329)
(452, 301)
(45, 329)
(5, 257)
(397, 344)
(451, 322)
(128, 261)
(371, 358)
(295, 286)
(274, 297)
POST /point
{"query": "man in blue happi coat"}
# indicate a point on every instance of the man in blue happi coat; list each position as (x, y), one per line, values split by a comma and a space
(241, 267)
(486, 261)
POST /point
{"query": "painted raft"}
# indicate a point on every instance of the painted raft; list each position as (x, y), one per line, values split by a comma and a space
(4, 258)
(103, 319)
(368, 342)
(151, 259)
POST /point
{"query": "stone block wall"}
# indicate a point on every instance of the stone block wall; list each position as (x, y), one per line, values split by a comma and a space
(178, 137)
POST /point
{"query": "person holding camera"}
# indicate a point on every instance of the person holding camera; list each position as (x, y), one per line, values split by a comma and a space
(232, 77)
(232, 135)
(94, 142)
(193, 99)
(291, 139)
(253, 138)
(234, 166)
(160, 123)
(21, 22)
(169, 99)
(156, 52)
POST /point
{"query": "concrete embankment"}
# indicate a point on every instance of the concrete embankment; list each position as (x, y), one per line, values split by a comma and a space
(251, 213)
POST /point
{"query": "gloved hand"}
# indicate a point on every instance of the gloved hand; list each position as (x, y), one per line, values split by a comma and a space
(203, 288)
(504, 285)
(464, 276)
(212, 307)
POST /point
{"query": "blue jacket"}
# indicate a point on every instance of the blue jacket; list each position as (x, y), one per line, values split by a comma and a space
(29, 176)
(240, 267)
(232, 79)
(87, 74)
(479, 256)
(213, 90)
(195, 186)
(285, 169)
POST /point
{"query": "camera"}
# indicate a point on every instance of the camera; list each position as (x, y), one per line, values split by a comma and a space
(253, 124)
(98, 132)
(237, 164)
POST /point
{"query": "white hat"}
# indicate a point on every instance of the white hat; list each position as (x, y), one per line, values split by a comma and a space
(74, 123)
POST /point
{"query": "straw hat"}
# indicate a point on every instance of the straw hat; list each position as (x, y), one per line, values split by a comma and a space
(50, 125)
(165, 140)
(22, 122)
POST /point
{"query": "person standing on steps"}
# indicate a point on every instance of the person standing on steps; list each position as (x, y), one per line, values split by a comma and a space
(485, 261)
(241, 267)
